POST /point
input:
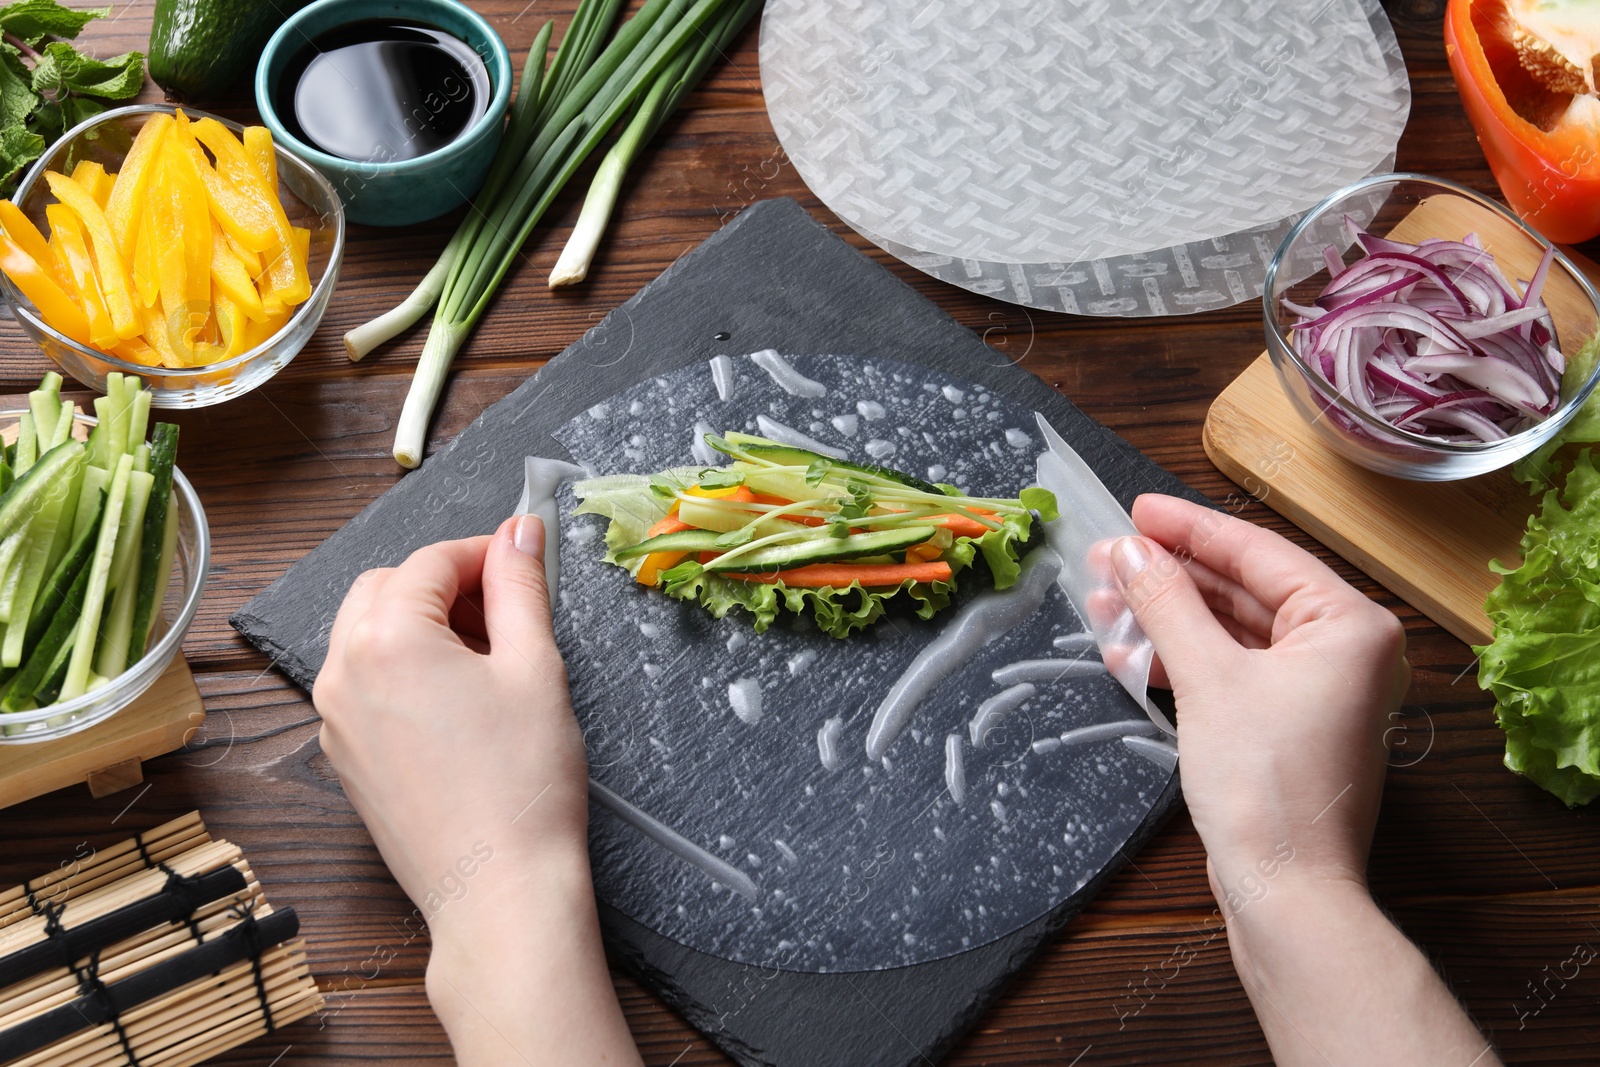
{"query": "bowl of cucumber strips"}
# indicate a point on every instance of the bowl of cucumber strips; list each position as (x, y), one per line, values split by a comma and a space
(103, 557)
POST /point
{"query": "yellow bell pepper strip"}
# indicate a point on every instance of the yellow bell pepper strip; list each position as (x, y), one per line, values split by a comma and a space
(1533, 106)
(180, 232)
(93, 177)
(242, 210)
(258, 146)
(54, 305)
(115, 285)
(124, 208)
(285, 274)
(157, 336)
(135, 350)
(232, 278)
(21, 229)
(259, 333)
(67, 234)
(233, 324)
(251, 260)
(146, 276)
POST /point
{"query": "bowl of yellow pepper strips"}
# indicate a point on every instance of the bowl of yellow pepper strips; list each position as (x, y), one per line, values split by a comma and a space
(173, 246)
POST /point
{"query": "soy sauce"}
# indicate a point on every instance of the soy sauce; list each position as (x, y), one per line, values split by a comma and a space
(382, 90)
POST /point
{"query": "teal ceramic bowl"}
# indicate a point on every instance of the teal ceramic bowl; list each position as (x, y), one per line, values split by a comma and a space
(406, 191)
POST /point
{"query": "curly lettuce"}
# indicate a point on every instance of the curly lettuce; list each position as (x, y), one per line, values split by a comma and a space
(836, 612)
(1543, 665)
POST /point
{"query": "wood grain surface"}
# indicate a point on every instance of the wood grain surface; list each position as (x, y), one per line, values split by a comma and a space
(1495, 879)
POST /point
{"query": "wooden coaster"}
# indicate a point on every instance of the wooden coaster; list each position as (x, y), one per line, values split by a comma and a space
(1428, 542)
(108, 755)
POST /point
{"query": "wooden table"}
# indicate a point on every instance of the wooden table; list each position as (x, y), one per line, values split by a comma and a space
(1495, 879)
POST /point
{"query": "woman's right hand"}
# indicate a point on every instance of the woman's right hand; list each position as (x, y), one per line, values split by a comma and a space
(1284, 677)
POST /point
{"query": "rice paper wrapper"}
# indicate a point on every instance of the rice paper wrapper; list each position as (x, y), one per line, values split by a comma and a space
(1090, 520)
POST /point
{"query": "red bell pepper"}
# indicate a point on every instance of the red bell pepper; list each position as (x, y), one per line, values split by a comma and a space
(1539, 130)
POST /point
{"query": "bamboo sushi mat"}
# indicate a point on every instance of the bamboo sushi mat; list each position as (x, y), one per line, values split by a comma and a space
(159, 951)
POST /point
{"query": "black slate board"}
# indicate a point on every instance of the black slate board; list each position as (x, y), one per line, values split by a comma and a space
(774, 278)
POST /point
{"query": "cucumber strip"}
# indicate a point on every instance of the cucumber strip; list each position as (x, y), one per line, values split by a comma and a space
(100, 436)
(27, 444)
(51, 651)
(761, 450)
(64, 420)
(7, 476)
(32, 568)
(138, 415)
(158, 544)
(111, 657)
(68, 520)
(169, 555)
(45, 409)
(50, 691)
(682, 541)
(824, 550)
(53, 590)
(125, 560)
(141, 458)
(91, 497)
(22, 502)
(76, 681)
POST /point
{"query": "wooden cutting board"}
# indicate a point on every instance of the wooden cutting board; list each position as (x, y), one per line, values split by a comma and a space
(1430, 543)
(108, 755)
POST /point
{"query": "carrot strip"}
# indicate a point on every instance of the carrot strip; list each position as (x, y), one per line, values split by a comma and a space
(840, 575)
(960, 525)
(670, 524)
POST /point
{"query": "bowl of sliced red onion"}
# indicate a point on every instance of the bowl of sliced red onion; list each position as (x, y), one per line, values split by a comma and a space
(1427, 332)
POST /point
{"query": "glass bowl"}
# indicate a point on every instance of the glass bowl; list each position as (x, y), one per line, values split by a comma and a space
(183, 593)
(1412, 207)
(308, 200)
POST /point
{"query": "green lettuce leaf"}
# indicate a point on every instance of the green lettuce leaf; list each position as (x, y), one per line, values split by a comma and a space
(1543, 665)
(1542, 468)
(837, 612)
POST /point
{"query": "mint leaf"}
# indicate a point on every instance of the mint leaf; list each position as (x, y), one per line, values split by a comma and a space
(63, 69)
(1041, 500)
(34, 20)
(734, 538)
(18, 148)
(17, 98)
(718, 478)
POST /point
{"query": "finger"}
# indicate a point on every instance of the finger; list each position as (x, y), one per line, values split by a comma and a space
(1230, 600)
(1171, 611)
(1266, 565)
(427, 585)
(357, 602)
(466, 618)
(516, 600)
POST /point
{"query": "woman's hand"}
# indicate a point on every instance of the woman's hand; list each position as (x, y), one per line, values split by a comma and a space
(1284, 678)
(445, 711)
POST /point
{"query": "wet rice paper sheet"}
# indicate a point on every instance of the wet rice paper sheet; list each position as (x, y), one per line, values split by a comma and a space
(763, 786)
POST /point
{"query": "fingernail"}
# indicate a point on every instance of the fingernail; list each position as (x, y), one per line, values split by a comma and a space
(528, 536)
(1129, 558)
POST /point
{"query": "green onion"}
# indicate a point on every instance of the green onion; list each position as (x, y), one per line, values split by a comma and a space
(560, 116)
(669, 89)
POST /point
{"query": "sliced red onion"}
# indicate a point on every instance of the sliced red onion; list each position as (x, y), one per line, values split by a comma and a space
(1433, 338)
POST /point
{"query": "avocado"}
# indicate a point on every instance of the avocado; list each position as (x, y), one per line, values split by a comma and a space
(201, 48)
